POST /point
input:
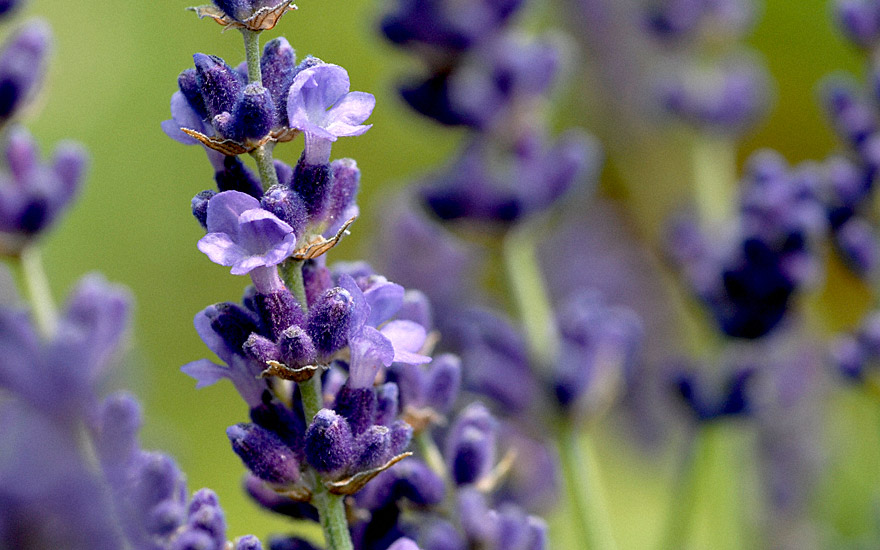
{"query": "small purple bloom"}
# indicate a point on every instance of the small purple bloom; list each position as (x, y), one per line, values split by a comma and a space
(321, 105)
(23, 65)
(243, 235)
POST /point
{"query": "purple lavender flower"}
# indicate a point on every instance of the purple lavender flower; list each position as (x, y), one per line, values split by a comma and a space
(23, 66)
(372, 348)
(322, 107)
(32, 194)
(8, 7)
(243, 235)
(224, 328)
(70, 365)
(859, 20)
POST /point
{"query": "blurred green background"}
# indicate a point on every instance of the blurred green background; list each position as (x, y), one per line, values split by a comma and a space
(114, 70)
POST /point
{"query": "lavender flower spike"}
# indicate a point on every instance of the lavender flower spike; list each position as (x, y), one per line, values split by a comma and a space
(251, 240)
(322, 107)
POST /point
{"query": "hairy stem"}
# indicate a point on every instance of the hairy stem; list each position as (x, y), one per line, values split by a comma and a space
(588, 512)
(291, 274)
(39, 294)
(266, 165)
(252, 55)
(331, 509)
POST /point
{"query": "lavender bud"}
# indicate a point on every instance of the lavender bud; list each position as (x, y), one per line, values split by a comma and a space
(23, 65)
(288, 425)
(261, 348)
(345, 182)
(401, 436)
(317, 279)
(279, 310)
(120, 420)
(441, 535)
(290, 543)
(859, 245)
(357, 406)
(329, 321)
(471, 445)
(269, 499)
(848, 357)
(199, 205)
(312, 182)
(165, 518)
(418, 483)
(859, 21)
(443, 383)
(278, 66)
(264, 454)
(205, 515)
(219, 84)
(248, 542)
(869, 334)
(386, 404)
(284, 172)
(157, 479)
(255, 114)
(188, 82)
(232, 324)
(372, 448)
(296, 347)
(193, 540)
(329, 443)
(235, 176)
(287, 206)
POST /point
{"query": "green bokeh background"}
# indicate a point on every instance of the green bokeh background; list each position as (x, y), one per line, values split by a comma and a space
(114, 70)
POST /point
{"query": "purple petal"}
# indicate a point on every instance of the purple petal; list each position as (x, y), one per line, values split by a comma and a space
(182, 116)
(210, 337)
(221, 249)
(385, 299)
(225, 208)
(346, 117)
(205, 372)
(403, 544)
(369, 351)
(362, 309)
(407, 338)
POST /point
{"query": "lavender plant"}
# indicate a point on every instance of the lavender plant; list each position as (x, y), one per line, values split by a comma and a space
(312, 350)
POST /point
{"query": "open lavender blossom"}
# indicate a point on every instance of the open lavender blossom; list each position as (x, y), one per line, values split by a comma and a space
(321, 106)
(243, 235)
(33, 194)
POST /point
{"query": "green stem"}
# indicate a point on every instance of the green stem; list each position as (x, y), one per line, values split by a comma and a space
(265, 165)
(291, 274)
(714, 172)
(310, 390)
(430, 453)
(530, 295)
(252, 55)
(331, 509)
(39, 294)
(584, 487)
(262, 154)
(706, 477)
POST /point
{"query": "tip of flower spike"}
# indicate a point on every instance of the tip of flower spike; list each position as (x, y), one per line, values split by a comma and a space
(262, 19)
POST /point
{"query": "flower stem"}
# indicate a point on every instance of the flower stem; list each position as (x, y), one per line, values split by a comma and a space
(331, 509)
(706, 475)
(252, 55)
(262, 154)
(430, 453)
(584, 487)
(265, 165)
(310, 390)
(39, 294)
(714, 172)
(291, 274)
(530, 295)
